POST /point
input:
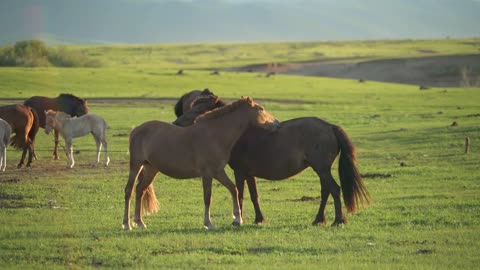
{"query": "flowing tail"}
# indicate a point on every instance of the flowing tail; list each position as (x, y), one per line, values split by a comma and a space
(19, 142)
(34, 130)
(150, 203)
(353, 189)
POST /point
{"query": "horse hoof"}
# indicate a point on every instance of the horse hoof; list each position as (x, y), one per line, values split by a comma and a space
(209, 227)
(237, 223)
(260, 220)
(339, 223)
(319, 223)
(140, 225)
(126, 227)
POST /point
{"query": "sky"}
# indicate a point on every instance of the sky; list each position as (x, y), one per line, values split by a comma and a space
(186, 21)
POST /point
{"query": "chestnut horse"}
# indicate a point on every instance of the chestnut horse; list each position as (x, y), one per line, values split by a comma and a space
(5, 131)
(198, 150)
(299, 143)
(22, 120)
(67, 103)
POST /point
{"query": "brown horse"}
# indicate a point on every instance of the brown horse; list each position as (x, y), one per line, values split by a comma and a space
(22, 120)
(184, 103)
(299, 143)
(67, 103)
(198, 150)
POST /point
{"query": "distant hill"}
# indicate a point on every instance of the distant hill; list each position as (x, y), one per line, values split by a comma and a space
(178, 21)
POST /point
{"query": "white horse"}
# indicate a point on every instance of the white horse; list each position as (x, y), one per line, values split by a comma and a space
(5, 131)
(71, 128)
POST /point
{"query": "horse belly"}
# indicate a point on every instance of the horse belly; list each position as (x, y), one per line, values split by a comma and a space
(174, 164)
(277, 165)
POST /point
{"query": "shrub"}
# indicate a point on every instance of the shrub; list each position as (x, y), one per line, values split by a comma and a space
(34, 53)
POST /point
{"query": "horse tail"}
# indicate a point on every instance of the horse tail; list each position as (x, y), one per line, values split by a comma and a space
(353, 189)
(18, 142)
(35, 126)
(179, 106)
(150, 203)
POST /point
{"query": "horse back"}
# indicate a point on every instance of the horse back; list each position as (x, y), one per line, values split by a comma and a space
(20, 118)
(283, 153)
(41, 104)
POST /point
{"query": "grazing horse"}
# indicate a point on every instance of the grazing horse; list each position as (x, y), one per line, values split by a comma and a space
(5, 131)
(67, 103)
(202, 150)
(298, 143)
(183, 104)
(71, 128)
(22, 121)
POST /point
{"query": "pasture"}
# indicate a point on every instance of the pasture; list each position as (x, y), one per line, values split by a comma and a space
(425, 212)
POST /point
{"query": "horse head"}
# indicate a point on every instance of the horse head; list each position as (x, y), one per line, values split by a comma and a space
(261, 118)
(54, 120)
(199, 106)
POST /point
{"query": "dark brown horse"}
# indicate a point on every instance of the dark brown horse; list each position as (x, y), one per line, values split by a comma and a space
(22, 120)
(298, 143)
(67, 103)
(185, 101)
(198, 150)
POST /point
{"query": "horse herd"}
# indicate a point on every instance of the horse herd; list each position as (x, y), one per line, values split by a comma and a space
(207, 135)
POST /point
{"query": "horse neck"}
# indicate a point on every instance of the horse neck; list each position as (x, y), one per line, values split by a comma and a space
(228, 128)
(60, 122)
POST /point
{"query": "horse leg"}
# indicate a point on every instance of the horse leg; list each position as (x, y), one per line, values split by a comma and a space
(69, 151)
(22, 159)
(207, 200)
(252, 188)
(334, 189)
(3, 157)
(224, 180)
(105, 149)
(320, 218)
(135, 170)
(99, 147)
(144, 180)
(240, 183)
(55, 149)
(30, 153)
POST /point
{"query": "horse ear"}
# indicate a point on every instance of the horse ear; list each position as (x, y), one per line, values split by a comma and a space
(250, 101)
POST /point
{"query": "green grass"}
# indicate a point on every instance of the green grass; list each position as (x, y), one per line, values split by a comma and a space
(425, 215)
(224, 55)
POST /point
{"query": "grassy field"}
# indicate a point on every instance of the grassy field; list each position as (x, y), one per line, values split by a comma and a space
(426, 204)
(227, 55)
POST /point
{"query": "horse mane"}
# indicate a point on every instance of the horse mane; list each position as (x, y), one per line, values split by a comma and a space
(70, 96)
(58, 114)
(225, 109)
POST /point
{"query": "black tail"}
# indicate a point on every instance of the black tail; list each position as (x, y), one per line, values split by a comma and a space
(353, 189)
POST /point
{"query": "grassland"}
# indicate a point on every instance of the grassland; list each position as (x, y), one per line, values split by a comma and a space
(425, 213)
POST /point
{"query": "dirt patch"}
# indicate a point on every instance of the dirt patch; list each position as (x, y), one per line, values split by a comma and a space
(306, 199)
(376, 175)
(436, 71)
